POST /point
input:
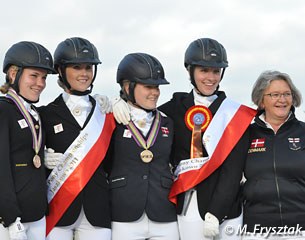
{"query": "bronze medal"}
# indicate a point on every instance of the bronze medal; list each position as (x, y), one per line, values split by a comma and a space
(36, 161)
(37, 137)
(146, 156)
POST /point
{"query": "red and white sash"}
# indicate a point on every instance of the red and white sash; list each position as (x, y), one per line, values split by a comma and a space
(78, 164)
(226, 128)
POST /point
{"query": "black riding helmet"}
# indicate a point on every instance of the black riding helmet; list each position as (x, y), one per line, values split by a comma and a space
(139, 68)
(25, 55)
(205, 52)
(73, 51)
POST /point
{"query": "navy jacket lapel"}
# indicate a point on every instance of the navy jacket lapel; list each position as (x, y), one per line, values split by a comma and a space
(62, 110)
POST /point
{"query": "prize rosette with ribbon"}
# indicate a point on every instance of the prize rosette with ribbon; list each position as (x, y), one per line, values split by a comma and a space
(199, 116)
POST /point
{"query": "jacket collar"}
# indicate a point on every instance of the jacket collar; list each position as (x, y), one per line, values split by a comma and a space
(63, 111)
(260, 122)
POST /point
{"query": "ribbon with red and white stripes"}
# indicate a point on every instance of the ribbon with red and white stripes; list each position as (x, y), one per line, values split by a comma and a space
(226, 128)
(78, 164)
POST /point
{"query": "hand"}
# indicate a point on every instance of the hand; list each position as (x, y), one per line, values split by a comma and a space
(51, 158)
(210, 225)
(121, 110)
(17, 231)
(103, 101)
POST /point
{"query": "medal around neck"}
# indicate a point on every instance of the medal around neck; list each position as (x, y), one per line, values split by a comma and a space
(37, 161)
(37, 137)
(146, 156)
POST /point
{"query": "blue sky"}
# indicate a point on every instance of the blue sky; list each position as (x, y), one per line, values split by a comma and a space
(257, 34)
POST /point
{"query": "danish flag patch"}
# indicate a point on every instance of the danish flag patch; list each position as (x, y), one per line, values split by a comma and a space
(258, 143)
(165, 131)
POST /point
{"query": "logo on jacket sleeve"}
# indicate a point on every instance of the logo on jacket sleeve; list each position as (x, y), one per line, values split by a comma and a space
(257, 145)
(294, 143)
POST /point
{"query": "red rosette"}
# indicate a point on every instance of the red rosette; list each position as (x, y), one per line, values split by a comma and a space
(199, 115)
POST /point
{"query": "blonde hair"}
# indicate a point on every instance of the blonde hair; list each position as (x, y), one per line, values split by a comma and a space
(8, 80)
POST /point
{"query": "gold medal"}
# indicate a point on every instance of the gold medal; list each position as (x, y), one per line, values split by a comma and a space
(146, 156)
(36, 161)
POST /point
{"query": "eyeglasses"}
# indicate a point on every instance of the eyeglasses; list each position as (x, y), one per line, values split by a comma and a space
(276, 96)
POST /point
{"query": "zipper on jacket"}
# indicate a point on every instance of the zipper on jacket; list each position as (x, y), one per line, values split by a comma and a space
(277, 184)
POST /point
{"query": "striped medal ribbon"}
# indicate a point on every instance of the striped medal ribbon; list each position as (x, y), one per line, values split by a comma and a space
(146, 155)
(37, 140)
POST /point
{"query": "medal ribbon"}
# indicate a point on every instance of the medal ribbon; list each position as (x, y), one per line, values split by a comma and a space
(37, 140)
(137, 136)
(197, 119)
(196, 145)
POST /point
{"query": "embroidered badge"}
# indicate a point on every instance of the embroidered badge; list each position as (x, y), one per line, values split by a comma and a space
(294, 143)
(165, 131)
(22, 123)
(127, 134)
(259, 142)
(257, 145)
(58, 128)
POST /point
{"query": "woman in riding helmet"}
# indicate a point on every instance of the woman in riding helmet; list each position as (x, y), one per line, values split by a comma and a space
(77, 140)
(209, 146)
(140, 176)
(23, 200)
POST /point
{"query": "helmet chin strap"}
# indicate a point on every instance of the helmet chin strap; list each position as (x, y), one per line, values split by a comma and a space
(204, 95)
(192, 69)
(27, 100)
(63, 78)
(15, 85)
(145, 109)
(130, 97)
(83, 93)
